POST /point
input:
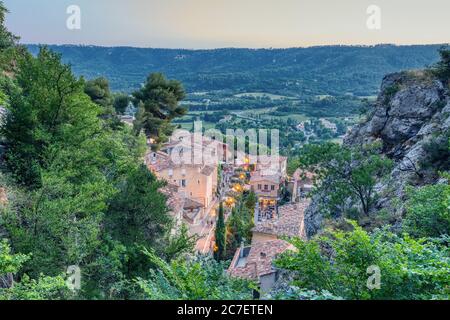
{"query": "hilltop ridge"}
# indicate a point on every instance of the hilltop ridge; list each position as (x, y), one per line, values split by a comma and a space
(332, 70)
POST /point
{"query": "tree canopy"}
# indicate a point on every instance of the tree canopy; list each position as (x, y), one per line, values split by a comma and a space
(158, 102)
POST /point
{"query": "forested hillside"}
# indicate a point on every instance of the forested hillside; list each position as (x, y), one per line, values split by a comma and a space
(333, 70)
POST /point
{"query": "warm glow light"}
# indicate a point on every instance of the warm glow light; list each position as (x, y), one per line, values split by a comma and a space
(237, 188)
(229, 201)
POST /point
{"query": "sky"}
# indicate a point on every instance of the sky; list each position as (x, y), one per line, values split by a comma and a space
(201, 24)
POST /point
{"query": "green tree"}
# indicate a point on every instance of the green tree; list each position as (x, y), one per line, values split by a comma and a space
(138, 213)
(158, 102)
(250, 201)
(178, 244)
(428, 211)
(7, 39)
(9, 49)
(27, 289)
(55, 148)
(345, 173)
(442, 68)
(121, 102)
(241, 222)
(221, 235)
(100, 93)
(196, 279)
(42, 112)
(98, 90)
(339, 262)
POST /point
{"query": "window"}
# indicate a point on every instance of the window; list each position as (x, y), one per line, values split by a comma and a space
(272, 188)
(266, 187)
(259, 187)
(183, 183)
(198, 181)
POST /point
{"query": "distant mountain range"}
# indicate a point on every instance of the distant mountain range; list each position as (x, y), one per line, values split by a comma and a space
(331, 70)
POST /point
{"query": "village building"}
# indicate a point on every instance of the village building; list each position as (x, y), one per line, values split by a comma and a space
(175, 203)
(256, 262)
(302, 183)
(328, 124)
(285, 221)
(268, 165)
(267, 178)
(197, 180)
(267, 188)
(197, 183)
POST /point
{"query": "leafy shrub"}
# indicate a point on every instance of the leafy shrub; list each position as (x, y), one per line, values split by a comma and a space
(427, 211)
(338, 263)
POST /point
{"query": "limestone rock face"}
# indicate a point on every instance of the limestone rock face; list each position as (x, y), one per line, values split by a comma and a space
(411, 109)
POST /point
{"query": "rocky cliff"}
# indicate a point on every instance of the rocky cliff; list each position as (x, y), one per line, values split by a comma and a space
(411, 119)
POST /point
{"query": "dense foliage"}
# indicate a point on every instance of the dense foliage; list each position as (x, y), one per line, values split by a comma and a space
(347, 176)
(428, 211)
(343, 263)
(197, 279)
(75, 191)
(240, 223)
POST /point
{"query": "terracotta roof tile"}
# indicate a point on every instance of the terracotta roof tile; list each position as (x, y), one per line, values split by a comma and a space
(175, 200)
(288, 223)
(192, 204)
(259, 261)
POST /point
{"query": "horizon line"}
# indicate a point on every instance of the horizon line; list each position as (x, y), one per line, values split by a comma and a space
(237, 48)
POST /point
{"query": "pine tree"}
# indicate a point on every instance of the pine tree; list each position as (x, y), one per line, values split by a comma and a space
(221, 235)
(442, 68)
(158, 106)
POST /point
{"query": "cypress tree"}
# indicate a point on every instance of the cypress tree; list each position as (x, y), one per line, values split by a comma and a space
(221, 237)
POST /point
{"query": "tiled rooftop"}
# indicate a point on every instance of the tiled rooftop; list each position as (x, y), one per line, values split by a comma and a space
(300, 174)
(259, 260)
(257, 176)
(163, 161)
(288, 223)
(175, 200)
(192, 204)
